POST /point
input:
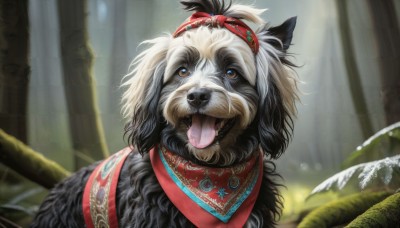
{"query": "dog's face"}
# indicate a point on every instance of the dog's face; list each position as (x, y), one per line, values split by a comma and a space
(207, 96)
(209, 93)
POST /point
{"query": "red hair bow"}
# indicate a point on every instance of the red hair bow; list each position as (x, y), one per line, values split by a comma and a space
(234, 25)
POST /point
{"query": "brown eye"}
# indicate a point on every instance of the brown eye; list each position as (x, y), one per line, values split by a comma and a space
(183, 72)
(231, 74)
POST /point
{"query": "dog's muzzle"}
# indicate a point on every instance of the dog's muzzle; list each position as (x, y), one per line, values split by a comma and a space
(203, 129)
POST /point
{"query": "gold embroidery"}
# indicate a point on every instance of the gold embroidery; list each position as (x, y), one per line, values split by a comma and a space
(100, 191)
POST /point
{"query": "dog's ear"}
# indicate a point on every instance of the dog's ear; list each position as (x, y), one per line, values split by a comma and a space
(277, 88)
(283, 33)
(141, 98)
(274, 122)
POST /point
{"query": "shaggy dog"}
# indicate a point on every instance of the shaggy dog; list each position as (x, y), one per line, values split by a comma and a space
(211, 98)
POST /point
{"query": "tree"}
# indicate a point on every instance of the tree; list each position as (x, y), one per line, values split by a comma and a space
(14, 67)
(85, 126)
(353, 74)
(387, 34)
(119, 60)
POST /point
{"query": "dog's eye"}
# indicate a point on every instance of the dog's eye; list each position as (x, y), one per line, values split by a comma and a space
(183, 72)
(231, 74)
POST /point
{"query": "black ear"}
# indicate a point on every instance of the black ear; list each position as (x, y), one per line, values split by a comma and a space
(275, 124)
(284, 33)
(145, 128)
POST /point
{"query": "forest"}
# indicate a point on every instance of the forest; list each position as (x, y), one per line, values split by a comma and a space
(62, 63)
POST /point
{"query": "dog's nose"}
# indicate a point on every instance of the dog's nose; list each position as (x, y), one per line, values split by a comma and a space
(198, 97)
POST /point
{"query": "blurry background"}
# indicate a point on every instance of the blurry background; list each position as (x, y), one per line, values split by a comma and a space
(347, 52)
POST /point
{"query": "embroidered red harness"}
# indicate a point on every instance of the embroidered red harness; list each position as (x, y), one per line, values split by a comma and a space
(208, 197)
(99, 205)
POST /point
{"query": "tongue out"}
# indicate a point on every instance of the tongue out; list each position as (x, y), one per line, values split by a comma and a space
(202, 132)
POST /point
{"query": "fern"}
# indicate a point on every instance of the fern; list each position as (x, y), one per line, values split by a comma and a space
(381, 170)
(384, 143)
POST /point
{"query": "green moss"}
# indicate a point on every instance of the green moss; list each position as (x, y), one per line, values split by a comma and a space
(383, 214)
(29, 163)
(342, 211)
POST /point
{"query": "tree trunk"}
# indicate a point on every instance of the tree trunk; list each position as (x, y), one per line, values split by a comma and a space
(383, 214)
(353, 75)
(387, 34)
(342, 211)
(14, 68)
(29, 163)
(85, 125)
(119, 55)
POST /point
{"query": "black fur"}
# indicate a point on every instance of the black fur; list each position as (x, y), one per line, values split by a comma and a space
(283, 32)
(147, 121)
(275, 123)
(213, 7)
(273, 118)
(63, 206)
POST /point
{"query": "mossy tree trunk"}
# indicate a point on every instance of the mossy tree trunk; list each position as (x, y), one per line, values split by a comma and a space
(85, 126)
(387, 34)
(29, 163)
(14, 68)
(383, 214)
(342, 211)
(353, 75)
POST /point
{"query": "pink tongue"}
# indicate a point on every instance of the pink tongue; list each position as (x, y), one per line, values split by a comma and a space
(202, 132)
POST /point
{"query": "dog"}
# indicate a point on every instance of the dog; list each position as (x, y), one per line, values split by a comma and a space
(208, 108)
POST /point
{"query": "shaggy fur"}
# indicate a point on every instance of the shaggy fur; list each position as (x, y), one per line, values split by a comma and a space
(208, 73)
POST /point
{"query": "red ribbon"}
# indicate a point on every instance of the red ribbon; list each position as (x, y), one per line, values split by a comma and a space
(234, 25)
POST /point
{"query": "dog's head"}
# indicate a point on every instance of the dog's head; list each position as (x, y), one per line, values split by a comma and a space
(210, 94)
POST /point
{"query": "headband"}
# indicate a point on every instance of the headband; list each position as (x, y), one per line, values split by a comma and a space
(234, 25)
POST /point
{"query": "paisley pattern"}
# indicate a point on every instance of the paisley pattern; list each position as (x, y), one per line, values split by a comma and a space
(99, 196)
(234, 25)
(208, 197)
(220, 191)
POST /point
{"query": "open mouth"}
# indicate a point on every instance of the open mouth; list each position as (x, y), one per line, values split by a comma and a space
(204, 130)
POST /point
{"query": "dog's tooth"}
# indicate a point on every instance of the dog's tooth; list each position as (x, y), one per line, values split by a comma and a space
(222, 124)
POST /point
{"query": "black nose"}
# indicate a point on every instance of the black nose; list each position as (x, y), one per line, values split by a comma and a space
(198, 97)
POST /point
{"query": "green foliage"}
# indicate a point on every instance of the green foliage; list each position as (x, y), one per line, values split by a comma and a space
(383, 214)
(381, 173)
(384, 143)
(19, 200)
(379, 168)
(342, 211)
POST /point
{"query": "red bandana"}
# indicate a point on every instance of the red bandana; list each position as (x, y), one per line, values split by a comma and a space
(234, 25)
(209, 197)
